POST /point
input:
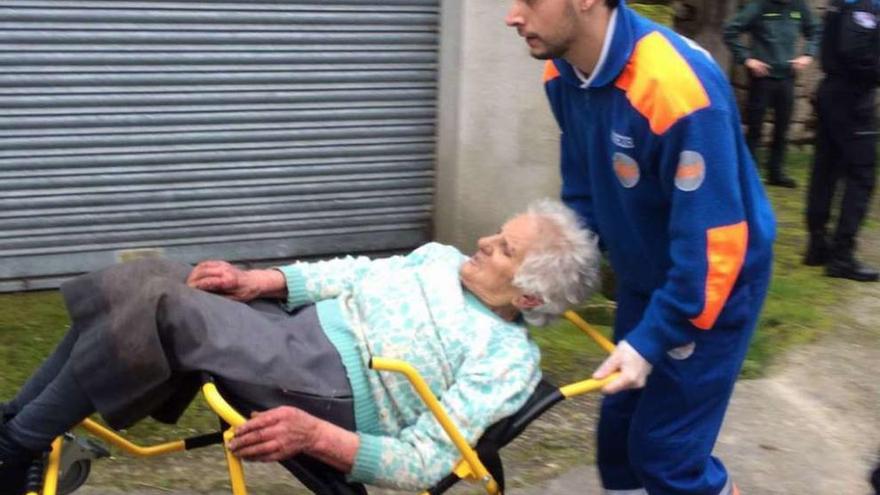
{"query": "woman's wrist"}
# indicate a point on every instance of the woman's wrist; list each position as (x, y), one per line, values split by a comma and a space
(270, 283)
(334, 445)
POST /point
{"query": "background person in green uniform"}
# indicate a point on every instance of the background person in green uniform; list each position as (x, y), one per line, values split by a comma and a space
(773, 27)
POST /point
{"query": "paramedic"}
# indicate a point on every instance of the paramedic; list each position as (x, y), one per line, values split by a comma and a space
(653, 159)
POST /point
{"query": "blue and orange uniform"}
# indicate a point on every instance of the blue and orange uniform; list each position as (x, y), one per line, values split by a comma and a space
(654, 161)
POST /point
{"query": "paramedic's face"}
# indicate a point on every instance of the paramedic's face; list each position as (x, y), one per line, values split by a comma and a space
(548, 26)
(489, 273)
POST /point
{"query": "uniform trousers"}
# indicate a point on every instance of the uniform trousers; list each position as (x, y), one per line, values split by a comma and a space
(845, 152)
(777, 94)
(659, 439)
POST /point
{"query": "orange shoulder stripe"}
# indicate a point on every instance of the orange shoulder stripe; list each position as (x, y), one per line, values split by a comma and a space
(550, 71)
(660, 83)
(726, 252)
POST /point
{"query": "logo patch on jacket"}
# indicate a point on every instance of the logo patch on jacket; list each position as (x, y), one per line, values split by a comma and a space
(622, 141)
(691, 171)
(627, 170)
(866, 20)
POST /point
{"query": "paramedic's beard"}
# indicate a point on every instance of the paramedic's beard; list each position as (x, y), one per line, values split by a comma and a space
(542, 50)
(555, 42)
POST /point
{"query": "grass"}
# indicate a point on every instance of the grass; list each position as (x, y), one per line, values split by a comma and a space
(796, 310)
(662, 14)
(568, 354)
(31, 323)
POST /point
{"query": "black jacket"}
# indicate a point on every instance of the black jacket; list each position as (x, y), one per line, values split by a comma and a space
(851, 41)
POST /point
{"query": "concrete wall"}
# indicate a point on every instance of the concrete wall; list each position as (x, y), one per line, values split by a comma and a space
(498, 142)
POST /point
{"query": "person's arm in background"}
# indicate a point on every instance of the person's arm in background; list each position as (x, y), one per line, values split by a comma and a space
(741, 23)
(811, 31)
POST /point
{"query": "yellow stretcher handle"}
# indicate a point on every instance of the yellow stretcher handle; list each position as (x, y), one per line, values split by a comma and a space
(586, 386)
(467, 453)
(50, 476)
(121, 442)
(228, 413)
(470, 466)
(600, 339)
(220, 406)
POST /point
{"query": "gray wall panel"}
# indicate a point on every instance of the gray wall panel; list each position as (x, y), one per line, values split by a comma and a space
(236, 130)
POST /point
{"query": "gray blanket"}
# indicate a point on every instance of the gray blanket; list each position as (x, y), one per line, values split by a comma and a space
(142, 336)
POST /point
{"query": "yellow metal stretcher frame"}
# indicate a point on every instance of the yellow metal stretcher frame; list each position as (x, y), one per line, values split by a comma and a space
(468, 468)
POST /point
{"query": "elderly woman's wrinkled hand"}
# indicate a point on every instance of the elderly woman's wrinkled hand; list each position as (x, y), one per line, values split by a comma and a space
(226, 279)
(633, 368)
(275, 435)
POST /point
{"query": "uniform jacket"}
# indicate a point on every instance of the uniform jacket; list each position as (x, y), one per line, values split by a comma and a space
(774, 26)
(654, 160)
(851, 41)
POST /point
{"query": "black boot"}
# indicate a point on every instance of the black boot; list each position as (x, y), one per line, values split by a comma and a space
(13, 477)
(13, 468)
(843, 264)
(852, 269)
(818, 252)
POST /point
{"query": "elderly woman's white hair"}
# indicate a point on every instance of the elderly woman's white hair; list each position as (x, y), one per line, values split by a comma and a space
(563, 269)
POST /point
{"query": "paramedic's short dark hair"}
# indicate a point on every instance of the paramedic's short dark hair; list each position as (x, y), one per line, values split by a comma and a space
(612, 3)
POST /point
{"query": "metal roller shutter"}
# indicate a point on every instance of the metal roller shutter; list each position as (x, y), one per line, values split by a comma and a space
(234, 130)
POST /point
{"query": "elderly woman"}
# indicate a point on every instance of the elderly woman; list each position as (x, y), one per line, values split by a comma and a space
(138, 332)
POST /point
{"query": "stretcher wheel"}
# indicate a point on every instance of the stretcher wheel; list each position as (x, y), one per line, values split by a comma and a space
(74, 476)
(77, 455)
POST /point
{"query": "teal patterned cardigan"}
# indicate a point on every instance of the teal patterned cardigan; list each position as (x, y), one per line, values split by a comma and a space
(414, 308)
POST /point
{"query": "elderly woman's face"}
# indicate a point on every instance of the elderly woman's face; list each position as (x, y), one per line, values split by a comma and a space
(490, 271)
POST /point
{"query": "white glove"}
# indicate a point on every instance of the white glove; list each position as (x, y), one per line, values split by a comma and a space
(633, 368)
